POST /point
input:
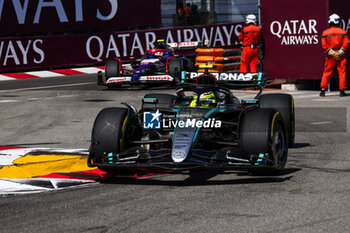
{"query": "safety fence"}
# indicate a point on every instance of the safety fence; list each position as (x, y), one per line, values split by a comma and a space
(201, 12)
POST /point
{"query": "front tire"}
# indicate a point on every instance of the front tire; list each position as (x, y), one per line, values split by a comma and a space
(284, 104)
(107, 133)
(263, 132)
(175, 65)
(112, 69)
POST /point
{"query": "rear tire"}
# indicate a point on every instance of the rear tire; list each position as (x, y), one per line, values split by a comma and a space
(112, 69)
(107, 133)
(284, 104)
(175, 65)
(263, 132)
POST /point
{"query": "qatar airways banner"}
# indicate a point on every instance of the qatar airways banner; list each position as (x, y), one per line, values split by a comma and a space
(292, 31)
(36, 52)
(42, 16)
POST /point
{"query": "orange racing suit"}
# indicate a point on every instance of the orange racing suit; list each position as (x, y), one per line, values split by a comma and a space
(250, 37)
(334, 38)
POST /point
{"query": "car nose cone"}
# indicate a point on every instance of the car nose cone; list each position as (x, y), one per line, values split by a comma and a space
(178, 156)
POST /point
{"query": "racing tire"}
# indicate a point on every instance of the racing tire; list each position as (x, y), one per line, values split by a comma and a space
(164, 100)
(112, 69)
(99, 78)
(175, 65)
(284, 104)
(263, 132)
(107, 133)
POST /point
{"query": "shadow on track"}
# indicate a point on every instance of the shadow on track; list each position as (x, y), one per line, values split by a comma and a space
(300, 145)
(201, 178)
(33, 144)
(140, 87)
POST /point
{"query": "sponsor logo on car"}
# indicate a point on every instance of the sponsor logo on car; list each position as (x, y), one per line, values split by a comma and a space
(159, 78)
(151, 120)
(148, 61)
(228, 76)
(191, 123)
(154, 120)
(184, 44)
(118, 80)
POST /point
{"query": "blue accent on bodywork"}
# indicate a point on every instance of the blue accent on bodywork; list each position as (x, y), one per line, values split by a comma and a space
(150, 99)
(177, 110)
(259, 78)
(260, 159)
(110, 157)
(139, 71)
(183, 76)
(212, 111)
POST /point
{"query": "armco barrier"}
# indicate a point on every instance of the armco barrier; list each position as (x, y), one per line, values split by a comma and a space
(223, 59)
(53, 51)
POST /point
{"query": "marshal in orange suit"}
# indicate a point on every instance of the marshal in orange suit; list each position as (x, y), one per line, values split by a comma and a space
(335, 42)
(250, 37)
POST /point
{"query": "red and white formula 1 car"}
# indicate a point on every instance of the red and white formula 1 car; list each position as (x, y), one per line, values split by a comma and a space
(157, 66)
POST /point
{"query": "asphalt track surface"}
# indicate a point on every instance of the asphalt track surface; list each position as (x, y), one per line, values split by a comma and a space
(312, 195)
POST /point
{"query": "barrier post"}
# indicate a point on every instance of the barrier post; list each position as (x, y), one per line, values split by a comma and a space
(261, 38)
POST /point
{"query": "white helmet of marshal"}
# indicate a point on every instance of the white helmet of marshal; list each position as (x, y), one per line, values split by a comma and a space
(334, 19)
(250, 19)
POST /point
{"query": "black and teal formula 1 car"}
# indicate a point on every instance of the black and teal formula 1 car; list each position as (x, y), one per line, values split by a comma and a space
(203, 126)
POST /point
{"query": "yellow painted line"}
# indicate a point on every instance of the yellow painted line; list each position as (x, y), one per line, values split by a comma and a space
(29, 158)
(30, 166)
(273, 123)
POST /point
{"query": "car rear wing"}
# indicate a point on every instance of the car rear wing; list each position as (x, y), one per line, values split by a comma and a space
(233, 80)
(188, 45)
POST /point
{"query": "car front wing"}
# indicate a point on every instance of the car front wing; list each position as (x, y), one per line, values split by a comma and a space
(230, 159)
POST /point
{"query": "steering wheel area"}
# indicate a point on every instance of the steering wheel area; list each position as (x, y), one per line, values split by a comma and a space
(223, 96)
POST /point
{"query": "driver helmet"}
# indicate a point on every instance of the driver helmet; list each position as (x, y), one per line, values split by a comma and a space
(250, 19)
(334, 19)
(161, 44)
(206, 99)
(149, 54)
